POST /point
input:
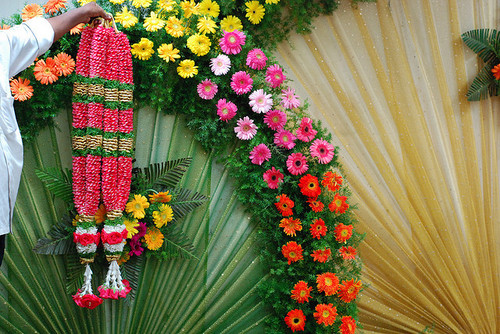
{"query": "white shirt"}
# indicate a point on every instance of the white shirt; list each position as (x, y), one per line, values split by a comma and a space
(19, 46)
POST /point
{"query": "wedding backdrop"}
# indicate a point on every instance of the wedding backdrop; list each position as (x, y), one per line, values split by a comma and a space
(388, 80)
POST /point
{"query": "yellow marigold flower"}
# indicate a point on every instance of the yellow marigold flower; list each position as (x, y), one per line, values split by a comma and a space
(231, 23)
(164, 216)
(137, 206)
(75, 220)
(116, 2)
(272, 2)
(199, 44)
(126, 18)
(209, 7)
(153, 238)
(166, 5)
(143, 50)
(141, 3)
(167, 52)
(153, 22)
(174, 27)
(84, 2)
(255, 11)
(162, 196)
(100, 215)
(131, 226)
(189, 8)
(206, 25)
(187, 68)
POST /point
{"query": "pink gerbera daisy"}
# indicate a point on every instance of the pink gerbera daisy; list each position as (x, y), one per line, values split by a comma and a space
(322, 150)
(241, 82)
(226, 110)
(284, 138)
(220, 65)
(232, 41)
(297, 164)
(275, 76)
(259, 154)
(306, 132)
(288, 98)
(245, 129)
(275, 119)
(260, 101)
(256, 59)
(207, 89)
(273, 178)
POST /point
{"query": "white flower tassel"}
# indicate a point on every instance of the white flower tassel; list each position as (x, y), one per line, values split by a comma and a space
(114, 286)
(84, 297)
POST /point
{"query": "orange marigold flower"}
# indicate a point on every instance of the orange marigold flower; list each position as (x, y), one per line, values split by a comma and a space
(295, 320)
(325, 314)
(348, 253)
(343, 232)
(100, 215)
(315, 205)
(154, 238)
(77, 29)
(292, 251)
(318, 228)
(327, 283)
(338, 205)
(123, 258)
(496, 71)
(161, 197)
(321, 255)
(31, 11)
(348, 325)
(46, 71)
(309, 186)
(65, 65)
(54, 6)
(290, 226)
(332, 180)
(284, 205)
(348, 290)
(4, 26)
(301, 292)
(21, 89)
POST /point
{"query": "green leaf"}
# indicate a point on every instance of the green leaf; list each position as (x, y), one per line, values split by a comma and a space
(177, 244)
(186, 201)
(59, 240)
(166, 174)
(484, 85)
(484, 42)
(74, 270)
(58, 182)
(132, 272)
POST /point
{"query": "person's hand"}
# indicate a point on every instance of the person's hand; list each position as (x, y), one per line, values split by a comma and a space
(91, 10)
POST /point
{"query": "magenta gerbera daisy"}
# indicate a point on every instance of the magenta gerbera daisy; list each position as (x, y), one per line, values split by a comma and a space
(297, 164)
(220, 65)
(232, 41)
(273, 178)
(306, 131)
(322, 150)
(256, 59)
(259, 154)
(284, 138)
(275, 76)
(275, 119)
(288, 98)
(260, 101)
(245, 129)
(207, 89)
(241, 82)
(226, 109)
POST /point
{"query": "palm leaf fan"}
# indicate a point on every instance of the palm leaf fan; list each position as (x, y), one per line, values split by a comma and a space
(484, 84)
(58, 182)
(59, 240)
(166, 174)
(185, 201)
(484, 42)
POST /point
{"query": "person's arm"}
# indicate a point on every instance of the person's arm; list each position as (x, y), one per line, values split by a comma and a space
(64, 22)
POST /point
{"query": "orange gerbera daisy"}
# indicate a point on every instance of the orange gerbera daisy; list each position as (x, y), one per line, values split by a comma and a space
(46, 71)
(154, 238)
(284, 205)
(315, 205)
(301, 292)
(77, 29)
(348, 253)
(332, 180)
(53, 6)
(318, 228)
(325, 314)
(295, 320)
(327, 283)
(348, 325)
(338, 205)
(161, 197)
(64, 63)
(4, 26)
(348, 290)
(309, 186)
(321, 255)
(21, 89)
(496, 71)
(343, 232)
(292, 251)
(100, 215)
(290, 226)
(31, 11)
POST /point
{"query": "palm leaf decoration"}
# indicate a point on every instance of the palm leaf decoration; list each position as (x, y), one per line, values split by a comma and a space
(484, 85)
(132, 272)
(186, 201)
(58, 182)
(177, 244)
(166, 174)
(59, 240)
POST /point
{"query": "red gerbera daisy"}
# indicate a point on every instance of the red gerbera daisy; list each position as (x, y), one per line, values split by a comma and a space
(301, 292)
(348, 290)
(321, 255)
(348, 253)
(290, 226)
(338, 205)
(292, 251)
(309, 186)
(343, 232)
(318, 228)
(328, 283)
(315, 205)
(348, 325)
(295, 320)
(332, 180)
(325, 314)
(284, 205)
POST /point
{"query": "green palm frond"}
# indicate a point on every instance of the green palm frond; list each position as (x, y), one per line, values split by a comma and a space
(177, 244)
(166, 174)
(59, 240)
(484, 85)
(132, 273)
(74, 270)
(186, 201)
(484, 42)
(58, 182)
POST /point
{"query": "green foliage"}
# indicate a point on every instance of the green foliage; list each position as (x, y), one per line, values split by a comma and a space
(59, 240)
(483, 85)
(58, 182)
(166, 174)
(177, 245)
(186, 201)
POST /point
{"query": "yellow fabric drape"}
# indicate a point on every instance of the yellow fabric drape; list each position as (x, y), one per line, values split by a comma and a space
(388, 79)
